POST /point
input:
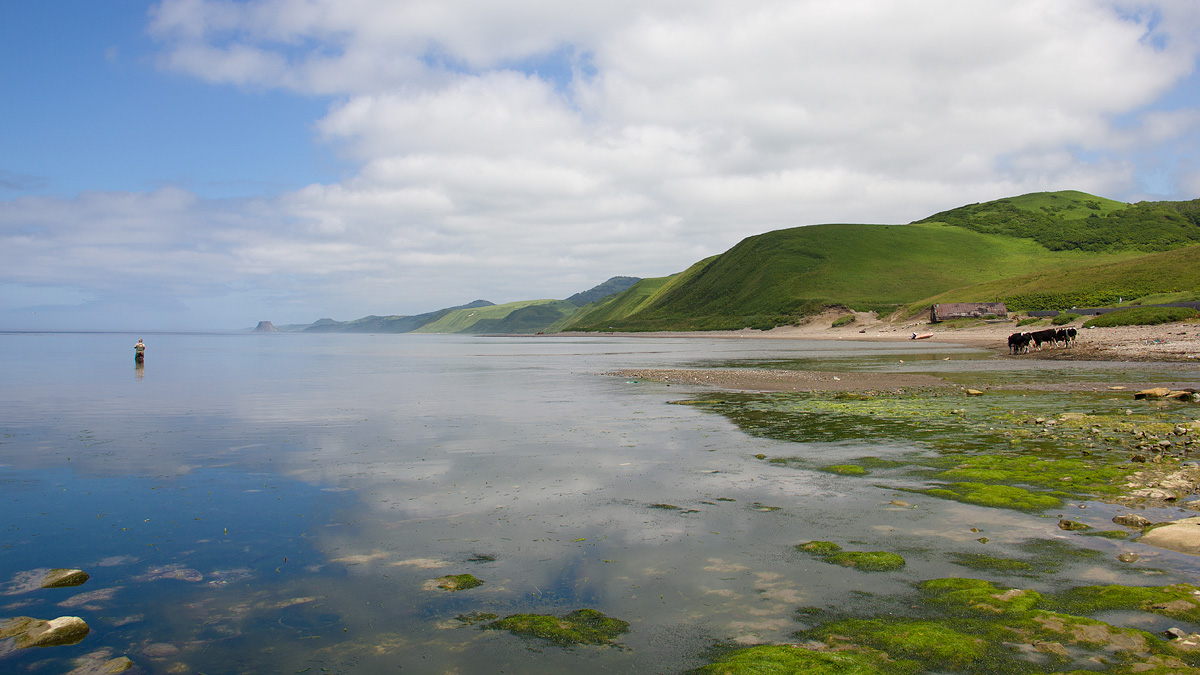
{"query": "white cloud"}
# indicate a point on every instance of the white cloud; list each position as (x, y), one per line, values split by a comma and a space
(651, 135)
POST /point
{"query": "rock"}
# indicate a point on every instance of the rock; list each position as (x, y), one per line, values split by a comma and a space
(1071, 525)
(1132, 520)
(64, 578)
(1182, 536)
(265, 327)
(100, 663)
(1156, 392)
(974, 392)
(1177, 633)
(1128, 557)
(30, 632)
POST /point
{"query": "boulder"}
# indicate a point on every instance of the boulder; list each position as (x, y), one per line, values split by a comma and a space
(30, 632)
(1156, 392)
(1182, 536)
(64, 578)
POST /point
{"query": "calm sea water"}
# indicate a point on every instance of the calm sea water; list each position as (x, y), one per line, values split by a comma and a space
(280, 503)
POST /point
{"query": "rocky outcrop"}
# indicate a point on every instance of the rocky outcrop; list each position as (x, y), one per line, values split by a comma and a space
(265, 327)
(30, 632)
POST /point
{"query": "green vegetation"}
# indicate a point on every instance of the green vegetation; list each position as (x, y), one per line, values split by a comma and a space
(843, 321)
(1028, 321)
(1103, 282)
(819, 548)
(458, 582)
(868, 561)
(785, 659)
(1077, 221)
(995, 496)
(581, 627)
(975, 627)
(1142, 316)
(1064, 318)
(846, 470)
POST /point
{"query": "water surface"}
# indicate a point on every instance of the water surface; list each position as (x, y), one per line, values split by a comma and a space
(280, 503)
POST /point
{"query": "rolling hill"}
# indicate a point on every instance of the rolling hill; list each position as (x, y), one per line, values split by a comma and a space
(1022, 246)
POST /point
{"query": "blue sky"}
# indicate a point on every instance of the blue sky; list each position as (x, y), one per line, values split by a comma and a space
(205, 164)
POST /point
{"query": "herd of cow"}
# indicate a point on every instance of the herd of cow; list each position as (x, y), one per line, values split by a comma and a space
(1019, 343)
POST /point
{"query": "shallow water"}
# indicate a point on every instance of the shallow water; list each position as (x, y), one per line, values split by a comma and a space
(279, 503)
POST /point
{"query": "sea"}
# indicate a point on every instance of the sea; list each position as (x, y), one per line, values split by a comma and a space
(288, 503)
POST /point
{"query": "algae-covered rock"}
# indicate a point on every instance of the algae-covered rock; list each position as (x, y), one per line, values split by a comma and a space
(987, 563)
(1179, 601)
(976, 595)
(846, 470)
(581, 627)
(913, 639)
(457, 582)
(784, 659)
(64, 578)
(30, 632)
(868, 561)
(822, 548)
(996, 496)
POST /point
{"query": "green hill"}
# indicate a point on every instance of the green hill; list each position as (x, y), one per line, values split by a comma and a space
(779, 277)
(387, 324)
(527, 316)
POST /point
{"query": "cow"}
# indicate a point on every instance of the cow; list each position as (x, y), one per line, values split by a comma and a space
(1018, 343)
(1042, 337)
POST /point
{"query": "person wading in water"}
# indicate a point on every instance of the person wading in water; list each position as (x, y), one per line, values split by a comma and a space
(139, 351)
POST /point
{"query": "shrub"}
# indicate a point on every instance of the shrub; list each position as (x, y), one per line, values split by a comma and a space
(1064, 319)
(1142, 316)
(1026, 322)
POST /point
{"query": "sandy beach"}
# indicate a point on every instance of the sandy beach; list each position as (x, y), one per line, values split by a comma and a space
(1163, 343)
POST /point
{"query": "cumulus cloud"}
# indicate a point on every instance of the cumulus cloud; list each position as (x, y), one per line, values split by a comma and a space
(532, 148)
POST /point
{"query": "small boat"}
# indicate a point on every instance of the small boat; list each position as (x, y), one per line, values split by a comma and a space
(922, 336)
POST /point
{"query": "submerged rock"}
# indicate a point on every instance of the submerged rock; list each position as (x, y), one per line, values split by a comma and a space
(30, 632)
(581, 627)
(1132, 520)
(100, 662)
(457, 582)
(64, 578)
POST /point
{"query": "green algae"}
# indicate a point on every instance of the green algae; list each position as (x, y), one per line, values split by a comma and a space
(784, 659)
(457, 582)
(472, 618)
(995, 496)
(987, 563)
(868, 561)
(846, 470)
(1074, 475)
(820, 548)
(911, 639)
(1179, 601)
(1107, 534)
(977, 596)
(581, 627)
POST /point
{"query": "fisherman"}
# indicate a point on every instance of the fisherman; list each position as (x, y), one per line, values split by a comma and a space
(139, 351)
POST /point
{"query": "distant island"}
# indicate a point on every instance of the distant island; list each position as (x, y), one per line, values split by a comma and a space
(1040, 251)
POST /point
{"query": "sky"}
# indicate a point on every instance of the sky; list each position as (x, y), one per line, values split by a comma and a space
(208, 164)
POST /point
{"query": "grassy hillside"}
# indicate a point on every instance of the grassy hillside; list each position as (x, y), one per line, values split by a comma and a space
(1102, 285)
(387, 324)
(779, 277)
(527, 316)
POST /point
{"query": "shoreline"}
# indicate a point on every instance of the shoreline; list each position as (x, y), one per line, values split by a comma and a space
(1164, 342)
(1176, 342)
